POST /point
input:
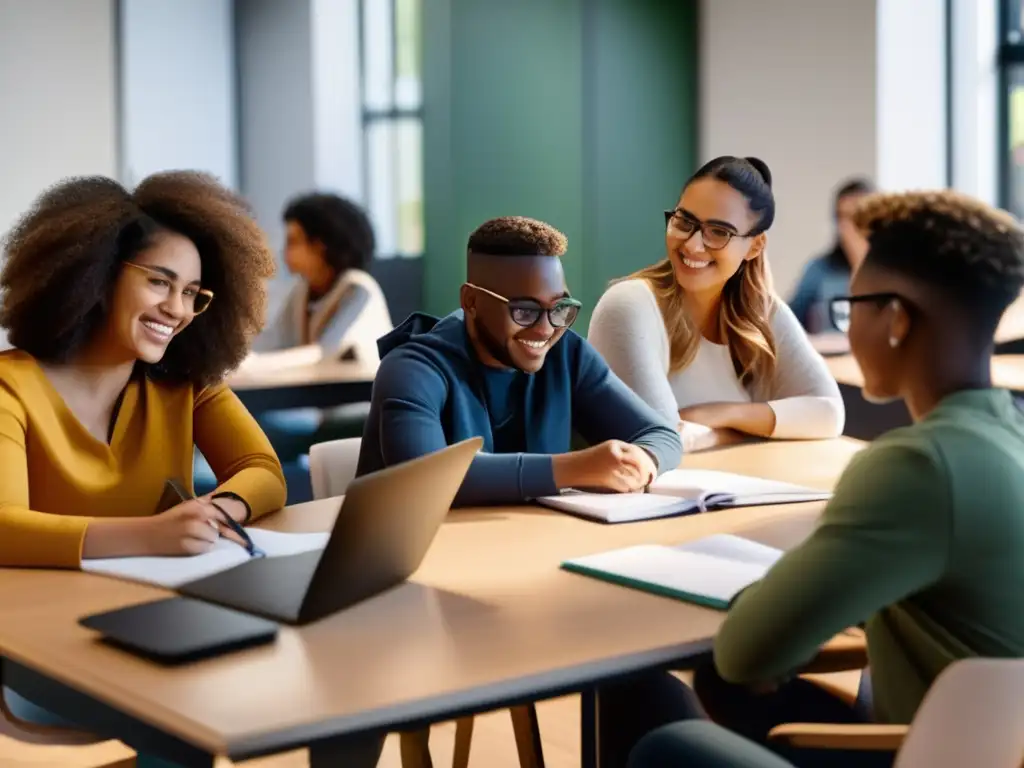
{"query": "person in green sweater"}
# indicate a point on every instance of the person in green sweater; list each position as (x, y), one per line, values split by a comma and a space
(921, 542)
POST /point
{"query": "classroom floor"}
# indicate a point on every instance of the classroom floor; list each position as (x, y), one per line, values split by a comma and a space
(493, 743)
(493, 746)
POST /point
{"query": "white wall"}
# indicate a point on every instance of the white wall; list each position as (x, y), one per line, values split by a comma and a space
(58, 96)
(792, 82)
(178, 88)
(975, 88)
(911, 92)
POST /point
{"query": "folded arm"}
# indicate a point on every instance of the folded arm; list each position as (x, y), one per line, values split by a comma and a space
(240, 455)
(882, 538)
(411, 395)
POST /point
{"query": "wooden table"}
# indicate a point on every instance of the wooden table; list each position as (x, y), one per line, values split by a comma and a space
(867, 421)
(321, 385)
(489, 620)
(828, 344)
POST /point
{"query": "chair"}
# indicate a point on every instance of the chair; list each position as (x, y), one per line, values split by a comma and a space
(973, 715)
(13, 727)
(332, 466)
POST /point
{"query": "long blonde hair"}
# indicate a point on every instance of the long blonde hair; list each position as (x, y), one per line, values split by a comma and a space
(744, 318)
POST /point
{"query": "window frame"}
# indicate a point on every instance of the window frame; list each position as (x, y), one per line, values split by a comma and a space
(1010, 54)
(374, 116)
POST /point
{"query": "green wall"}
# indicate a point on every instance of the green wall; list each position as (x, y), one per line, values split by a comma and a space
(577, 112)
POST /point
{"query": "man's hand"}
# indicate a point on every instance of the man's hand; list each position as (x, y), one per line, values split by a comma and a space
(612, 465)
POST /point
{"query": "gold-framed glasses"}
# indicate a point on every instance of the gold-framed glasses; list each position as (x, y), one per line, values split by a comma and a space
(163, 282)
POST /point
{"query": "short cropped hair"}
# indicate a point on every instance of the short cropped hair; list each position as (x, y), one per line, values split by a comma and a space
(341, 226)
(517, 236)
(64, 255)
(971, 252)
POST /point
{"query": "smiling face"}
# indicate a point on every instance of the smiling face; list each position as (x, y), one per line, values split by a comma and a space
(701, 266)
(156, 296)
(525, 281)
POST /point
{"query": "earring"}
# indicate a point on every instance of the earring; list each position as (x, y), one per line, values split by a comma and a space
(894, 342)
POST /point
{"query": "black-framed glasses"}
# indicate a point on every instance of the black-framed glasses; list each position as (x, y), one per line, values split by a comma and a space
(715, 236)
(528, 312)
(840, 308)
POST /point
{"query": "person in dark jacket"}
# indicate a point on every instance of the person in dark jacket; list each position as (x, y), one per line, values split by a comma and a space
(828, 276)
(506, 367)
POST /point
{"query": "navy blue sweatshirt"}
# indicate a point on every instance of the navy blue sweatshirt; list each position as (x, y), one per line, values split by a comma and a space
(432, 391)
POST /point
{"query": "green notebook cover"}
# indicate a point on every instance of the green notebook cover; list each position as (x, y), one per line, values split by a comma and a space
(646, 586)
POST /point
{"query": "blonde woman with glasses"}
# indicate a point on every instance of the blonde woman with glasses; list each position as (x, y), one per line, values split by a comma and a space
(702, 337)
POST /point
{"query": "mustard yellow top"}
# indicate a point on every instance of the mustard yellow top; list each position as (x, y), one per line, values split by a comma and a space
(55, 476)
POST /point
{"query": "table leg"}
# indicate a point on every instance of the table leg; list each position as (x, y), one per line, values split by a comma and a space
(359, 752)
(589, 747)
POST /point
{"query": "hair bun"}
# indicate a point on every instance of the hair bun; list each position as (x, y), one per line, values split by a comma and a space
(762, 168)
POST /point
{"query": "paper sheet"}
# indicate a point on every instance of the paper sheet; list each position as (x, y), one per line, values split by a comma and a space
(172, 572)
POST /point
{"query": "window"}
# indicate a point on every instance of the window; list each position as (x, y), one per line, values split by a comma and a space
(390, 54)
(1011, 105)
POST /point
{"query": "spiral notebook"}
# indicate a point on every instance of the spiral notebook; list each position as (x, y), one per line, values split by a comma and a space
(682, 492)
(710, 571)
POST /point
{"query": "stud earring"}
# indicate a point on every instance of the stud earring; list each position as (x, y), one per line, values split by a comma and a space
(894, 342)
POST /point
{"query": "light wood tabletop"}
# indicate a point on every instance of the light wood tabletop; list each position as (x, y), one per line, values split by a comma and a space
(488, 619)
(1007, 371)
(827, 344)
(319, 385)
(316, 374)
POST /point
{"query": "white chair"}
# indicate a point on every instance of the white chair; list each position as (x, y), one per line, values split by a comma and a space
(973, 715)
(332, 466)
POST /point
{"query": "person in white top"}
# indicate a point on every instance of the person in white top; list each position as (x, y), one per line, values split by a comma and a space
(702, 337)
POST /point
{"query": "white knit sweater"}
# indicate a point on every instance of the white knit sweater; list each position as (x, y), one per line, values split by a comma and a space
(628, 330)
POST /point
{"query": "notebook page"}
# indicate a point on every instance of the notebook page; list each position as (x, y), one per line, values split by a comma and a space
(691, 483)
(277, 544)
(615, 507)
(172, 571)
(688, 573)
(734, 548)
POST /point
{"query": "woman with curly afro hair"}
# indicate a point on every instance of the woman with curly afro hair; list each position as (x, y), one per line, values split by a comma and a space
(126, 310)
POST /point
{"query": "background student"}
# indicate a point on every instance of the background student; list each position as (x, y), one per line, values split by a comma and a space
(828, 276)
(335, 303)
(922, 538)
(507, 367)
(702, 337)
(126, 309)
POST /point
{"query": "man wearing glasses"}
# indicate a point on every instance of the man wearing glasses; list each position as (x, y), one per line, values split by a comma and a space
(506, 367)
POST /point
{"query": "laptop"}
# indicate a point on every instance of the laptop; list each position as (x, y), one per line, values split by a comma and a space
(384, 528)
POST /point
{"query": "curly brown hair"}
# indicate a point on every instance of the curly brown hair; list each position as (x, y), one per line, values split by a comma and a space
(64, 254)
(517, 236)
(969, 251)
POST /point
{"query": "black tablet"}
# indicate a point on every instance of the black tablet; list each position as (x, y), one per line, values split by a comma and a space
(179, 629)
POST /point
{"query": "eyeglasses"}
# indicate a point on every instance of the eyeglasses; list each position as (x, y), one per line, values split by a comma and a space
(715, 236)
(528, 312)
(196, 300)
(840, 308)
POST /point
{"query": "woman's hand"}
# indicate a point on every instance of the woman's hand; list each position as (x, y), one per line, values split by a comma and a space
(697, 437)
(189, 528)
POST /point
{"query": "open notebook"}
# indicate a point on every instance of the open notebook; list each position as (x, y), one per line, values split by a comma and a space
(172, 572)
(682, 492)
(709, 571)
